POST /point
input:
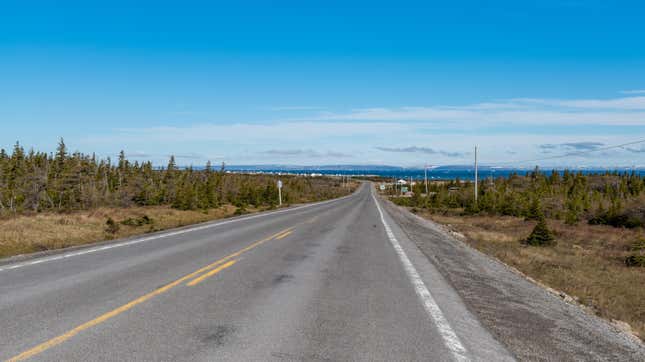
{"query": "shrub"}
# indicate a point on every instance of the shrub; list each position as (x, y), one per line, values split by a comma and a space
(143, 220)
(619, 220)
(401, 201)
(637, 258)
(241, 211)
(111, 227)
(541, 235)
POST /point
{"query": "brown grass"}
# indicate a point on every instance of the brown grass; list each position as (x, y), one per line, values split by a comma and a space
(23, 234)
(587, 263)
(48, 231)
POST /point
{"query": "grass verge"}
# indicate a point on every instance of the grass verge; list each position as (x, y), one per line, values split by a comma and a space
(587, 263)
(47, 231)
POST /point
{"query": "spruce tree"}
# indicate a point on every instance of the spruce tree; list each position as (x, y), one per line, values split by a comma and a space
(541, 235)
(535, 210)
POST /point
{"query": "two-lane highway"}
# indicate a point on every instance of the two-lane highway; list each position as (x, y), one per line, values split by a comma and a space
(331, 281)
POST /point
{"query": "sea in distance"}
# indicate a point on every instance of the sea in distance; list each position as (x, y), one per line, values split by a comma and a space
(434, 173)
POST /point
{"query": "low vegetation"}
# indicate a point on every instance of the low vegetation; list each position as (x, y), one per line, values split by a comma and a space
(50, 201)
(541, 235)
(587, 263)
(580, 234)
(611, 198)
(50, 230)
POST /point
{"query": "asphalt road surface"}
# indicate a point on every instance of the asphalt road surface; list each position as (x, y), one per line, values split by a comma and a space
(352, 279)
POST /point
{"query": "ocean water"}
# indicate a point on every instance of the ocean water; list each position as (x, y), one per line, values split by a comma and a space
(416, 174)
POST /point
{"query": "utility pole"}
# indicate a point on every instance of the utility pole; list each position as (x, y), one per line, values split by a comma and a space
(280, 192)
(476, 180)
(425, 177)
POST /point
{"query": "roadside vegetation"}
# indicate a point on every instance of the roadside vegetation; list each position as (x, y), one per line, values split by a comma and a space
(579, 234)
(49, 201)
(612, 198)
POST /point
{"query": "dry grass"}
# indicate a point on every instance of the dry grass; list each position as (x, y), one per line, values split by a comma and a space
(23, 234)
(47, 231)
(587, 263)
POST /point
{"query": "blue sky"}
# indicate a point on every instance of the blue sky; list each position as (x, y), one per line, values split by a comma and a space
(333, 82)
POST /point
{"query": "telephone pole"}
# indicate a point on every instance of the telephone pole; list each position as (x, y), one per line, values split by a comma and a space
(425, 177)
(476, 180)
(279, 192)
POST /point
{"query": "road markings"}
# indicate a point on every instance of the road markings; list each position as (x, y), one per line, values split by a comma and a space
(160, 236)
(449, 336)
(283, 235)
(210, 273)
(73, 332)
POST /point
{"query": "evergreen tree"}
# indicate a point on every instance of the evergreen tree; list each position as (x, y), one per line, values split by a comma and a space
(535, 210)
(541, 235)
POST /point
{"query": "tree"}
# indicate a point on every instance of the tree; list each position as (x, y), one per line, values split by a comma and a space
(541, 235)
(61, 153)
(535, 210)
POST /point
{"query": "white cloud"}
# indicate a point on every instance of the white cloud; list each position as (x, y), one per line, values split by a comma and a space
(394, 131)
(519, 111)
(576, 146)
(625, 103)
(188, 156)
(309, 153)
(417, 149)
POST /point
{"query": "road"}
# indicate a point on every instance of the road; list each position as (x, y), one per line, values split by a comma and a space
(332, 281)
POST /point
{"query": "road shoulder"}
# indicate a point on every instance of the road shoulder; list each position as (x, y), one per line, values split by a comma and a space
(529, 321)
(479, 343)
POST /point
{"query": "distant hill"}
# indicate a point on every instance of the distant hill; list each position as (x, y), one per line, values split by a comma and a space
(315, 168)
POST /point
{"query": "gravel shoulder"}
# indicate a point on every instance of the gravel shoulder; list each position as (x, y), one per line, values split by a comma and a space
(532, 323)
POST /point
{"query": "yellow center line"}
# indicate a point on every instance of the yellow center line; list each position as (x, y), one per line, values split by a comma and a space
(284, 235)
(73, 332)
(210, 273)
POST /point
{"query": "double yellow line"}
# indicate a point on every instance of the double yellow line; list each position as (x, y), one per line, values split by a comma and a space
(196, 276)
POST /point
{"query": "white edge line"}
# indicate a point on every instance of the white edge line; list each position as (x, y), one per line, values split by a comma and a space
(172, 233)
(449, 336)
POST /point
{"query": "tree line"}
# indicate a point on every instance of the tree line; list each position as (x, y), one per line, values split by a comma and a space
(613, 198)
(62, 181)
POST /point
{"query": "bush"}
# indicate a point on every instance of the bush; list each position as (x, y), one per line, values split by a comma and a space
(541, 235)
(637, 258)
(401, 201)
(143, 220)
(111, 227)
(241, 211)
(619, 220)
